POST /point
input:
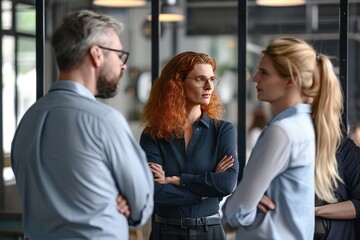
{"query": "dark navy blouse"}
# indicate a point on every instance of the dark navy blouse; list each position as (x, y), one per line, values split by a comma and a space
(349, 169)
(210, 142)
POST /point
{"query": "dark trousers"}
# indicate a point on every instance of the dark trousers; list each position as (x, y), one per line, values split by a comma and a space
(161, 232)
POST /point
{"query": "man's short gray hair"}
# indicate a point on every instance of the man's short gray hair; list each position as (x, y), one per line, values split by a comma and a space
(78, 32)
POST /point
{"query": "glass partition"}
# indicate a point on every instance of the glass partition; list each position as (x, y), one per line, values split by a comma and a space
(316, 22)
(18, 83)
(353, 100)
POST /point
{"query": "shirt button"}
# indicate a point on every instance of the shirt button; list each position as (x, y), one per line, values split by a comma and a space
(197, 129)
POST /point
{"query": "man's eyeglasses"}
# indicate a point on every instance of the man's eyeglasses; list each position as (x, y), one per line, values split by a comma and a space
(201, 80)
(123, 55)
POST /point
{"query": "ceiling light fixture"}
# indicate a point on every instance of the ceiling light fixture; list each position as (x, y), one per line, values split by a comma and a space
(120, 3)
(280, 3)
(170, 12)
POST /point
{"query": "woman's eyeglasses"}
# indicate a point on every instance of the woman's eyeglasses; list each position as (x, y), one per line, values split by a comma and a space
(202, 81)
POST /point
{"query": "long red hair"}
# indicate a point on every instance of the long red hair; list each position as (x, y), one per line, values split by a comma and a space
(164, 115)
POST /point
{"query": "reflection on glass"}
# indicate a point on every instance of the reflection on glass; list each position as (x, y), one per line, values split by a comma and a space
(26, 78)
(25, 18)
(353, 99)
(8, 88)
(6, 14)
(25, 72)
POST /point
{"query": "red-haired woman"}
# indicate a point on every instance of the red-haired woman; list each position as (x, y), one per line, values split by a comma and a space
(191, 152)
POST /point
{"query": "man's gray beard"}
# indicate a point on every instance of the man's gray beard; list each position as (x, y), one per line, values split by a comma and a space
(106, 89)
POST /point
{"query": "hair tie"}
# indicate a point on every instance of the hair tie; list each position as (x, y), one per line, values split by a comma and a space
(317, 57)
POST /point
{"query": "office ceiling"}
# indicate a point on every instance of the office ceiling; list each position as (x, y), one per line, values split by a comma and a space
(317, 18)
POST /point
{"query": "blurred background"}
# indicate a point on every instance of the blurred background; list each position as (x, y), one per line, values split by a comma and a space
(232, 31)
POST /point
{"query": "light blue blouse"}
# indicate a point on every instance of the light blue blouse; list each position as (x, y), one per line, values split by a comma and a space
(72, 156)
(281, 165)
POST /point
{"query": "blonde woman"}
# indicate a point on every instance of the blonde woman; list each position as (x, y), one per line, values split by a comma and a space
(275, 198)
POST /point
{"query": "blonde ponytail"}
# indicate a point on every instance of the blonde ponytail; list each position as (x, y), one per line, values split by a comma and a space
(326, 114)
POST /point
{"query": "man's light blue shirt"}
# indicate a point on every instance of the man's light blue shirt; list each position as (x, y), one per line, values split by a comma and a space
(72, 156)
(281, 166)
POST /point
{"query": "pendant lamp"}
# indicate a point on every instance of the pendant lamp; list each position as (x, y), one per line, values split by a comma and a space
(280, 3)
(119, 3)
(170, 11)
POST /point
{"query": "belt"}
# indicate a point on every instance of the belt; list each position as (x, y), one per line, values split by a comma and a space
(189, 222)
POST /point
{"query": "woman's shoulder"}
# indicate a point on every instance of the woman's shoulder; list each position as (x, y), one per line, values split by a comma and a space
(292, 129)
(222, 124)
(295, 123)
(349, 153)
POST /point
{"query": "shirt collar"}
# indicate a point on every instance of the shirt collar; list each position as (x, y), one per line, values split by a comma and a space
(299, 108)
(204, 120)
(68, 85)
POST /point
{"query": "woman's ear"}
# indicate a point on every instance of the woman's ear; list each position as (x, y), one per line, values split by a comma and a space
(96, 55)
(294, 81)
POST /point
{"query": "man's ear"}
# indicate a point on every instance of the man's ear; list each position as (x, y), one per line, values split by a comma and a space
(96, 56)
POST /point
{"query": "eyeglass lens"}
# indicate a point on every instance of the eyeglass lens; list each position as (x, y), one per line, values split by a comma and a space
(203, 80)
(123, 57)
